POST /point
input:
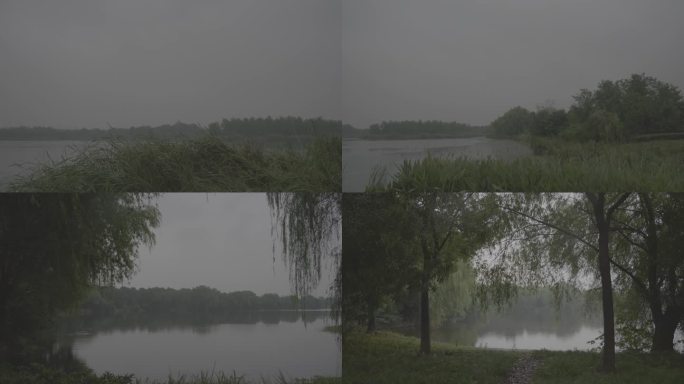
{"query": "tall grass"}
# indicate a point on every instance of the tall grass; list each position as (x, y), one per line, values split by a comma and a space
(41, 374)
(566, 167)
(207, 164)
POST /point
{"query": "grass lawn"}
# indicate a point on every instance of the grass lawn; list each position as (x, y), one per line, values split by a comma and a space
(557, 166)
(580, 367)
(387, 357)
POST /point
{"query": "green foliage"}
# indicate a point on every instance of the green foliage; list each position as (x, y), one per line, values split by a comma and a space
(378, 259)
(107, 305)
(53, 247)
(204, 164)
(625, 109)
(563, 167)
(454, 297)
(307, 227)
(269, 131)
(549, 121)
(514, 122)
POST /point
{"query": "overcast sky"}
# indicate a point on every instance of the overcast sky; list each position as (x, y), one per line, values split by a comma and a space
(471, 60)
(86, 63)
(218, 240)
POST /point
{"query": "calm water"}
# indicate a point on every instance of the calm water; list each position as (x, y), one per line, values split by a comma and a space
(559, 335)
(360, 157)
(250, 346)
(16, 157)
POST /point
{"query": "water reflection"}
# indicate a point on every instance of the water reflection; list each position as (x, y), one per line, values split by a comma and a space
(253, 344)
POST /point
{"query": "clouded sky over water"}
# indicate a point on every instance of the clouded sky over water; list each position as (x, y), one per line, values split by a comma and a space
(86, 63)
(472, 60)
(218, 240)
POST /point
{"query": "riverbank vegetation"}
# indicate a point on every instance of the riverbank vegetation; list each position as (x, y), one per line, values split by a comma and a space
(44, 374)
(624, 135)
(205, 164)
(264, 131)
(563, 167)
(153, 308)
(386, 357)
(415, 130)
(456, 250)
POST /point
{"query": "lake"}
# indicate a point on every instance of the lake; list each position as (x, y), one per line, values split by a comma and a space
(360, 157)
(16, 153)
(253, 345)
(562, 334)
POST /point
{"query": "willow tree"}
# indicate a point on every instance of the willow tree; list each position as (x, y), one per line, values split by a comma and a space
(306, 228)
(54, 247)
(649, 258)
(449, 227)
(378, 258)
(559, 238)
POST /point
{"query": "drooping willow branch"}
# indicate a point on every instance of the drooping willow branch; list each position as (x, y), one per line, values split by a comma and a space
(306, 230)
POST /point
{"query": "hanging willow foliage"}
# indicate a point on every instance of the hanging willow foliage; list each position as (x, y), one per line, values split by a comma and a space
(307, 229)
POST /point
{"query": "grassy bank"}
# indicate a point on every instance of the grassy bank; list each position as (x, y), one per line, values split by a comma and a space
(41, 374)
(556, 166)
(631, 368)
(391, 358)
(387, 357)
(207, 164)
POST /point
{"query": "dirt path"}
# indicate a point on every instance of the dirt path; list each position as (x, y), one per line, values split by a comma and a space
(523, 370)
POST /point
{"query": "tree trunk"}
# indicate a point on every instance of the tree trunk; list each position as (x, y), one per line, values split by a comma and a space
(607, 298)
(603, 226)
(371, 319)
(424, 319)
(664, 331)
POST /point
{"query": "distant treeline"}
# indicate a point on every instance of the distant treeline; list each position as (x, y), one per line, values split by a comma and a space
(636, 108)
(132, 303)
(431, 129)
(259, 129)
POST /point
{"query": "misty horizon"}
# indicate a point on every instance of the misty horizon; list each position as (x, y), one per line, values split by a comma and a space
(221, 241)
(99, 63)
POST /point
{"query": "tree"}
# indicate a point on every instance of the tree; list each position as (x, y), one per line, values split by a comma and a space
(642, 105)
(306, 228)
(561, 237)
(450, 227)
(54, 247)
(378, 259)
(648, 255)
(514, 122)
(549, 121)
(603, 214)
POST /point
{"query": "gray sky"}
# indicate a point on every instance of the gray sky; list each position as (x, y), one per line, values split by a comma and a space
(472, 60)
(83, 63)
(218, 240)
(86, 63)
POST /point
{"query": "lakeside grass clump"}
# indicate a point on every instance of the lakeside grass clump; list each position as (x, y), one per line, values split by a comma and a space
(556, 166)
(386, 357)
(206, 164)
(41, 374)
